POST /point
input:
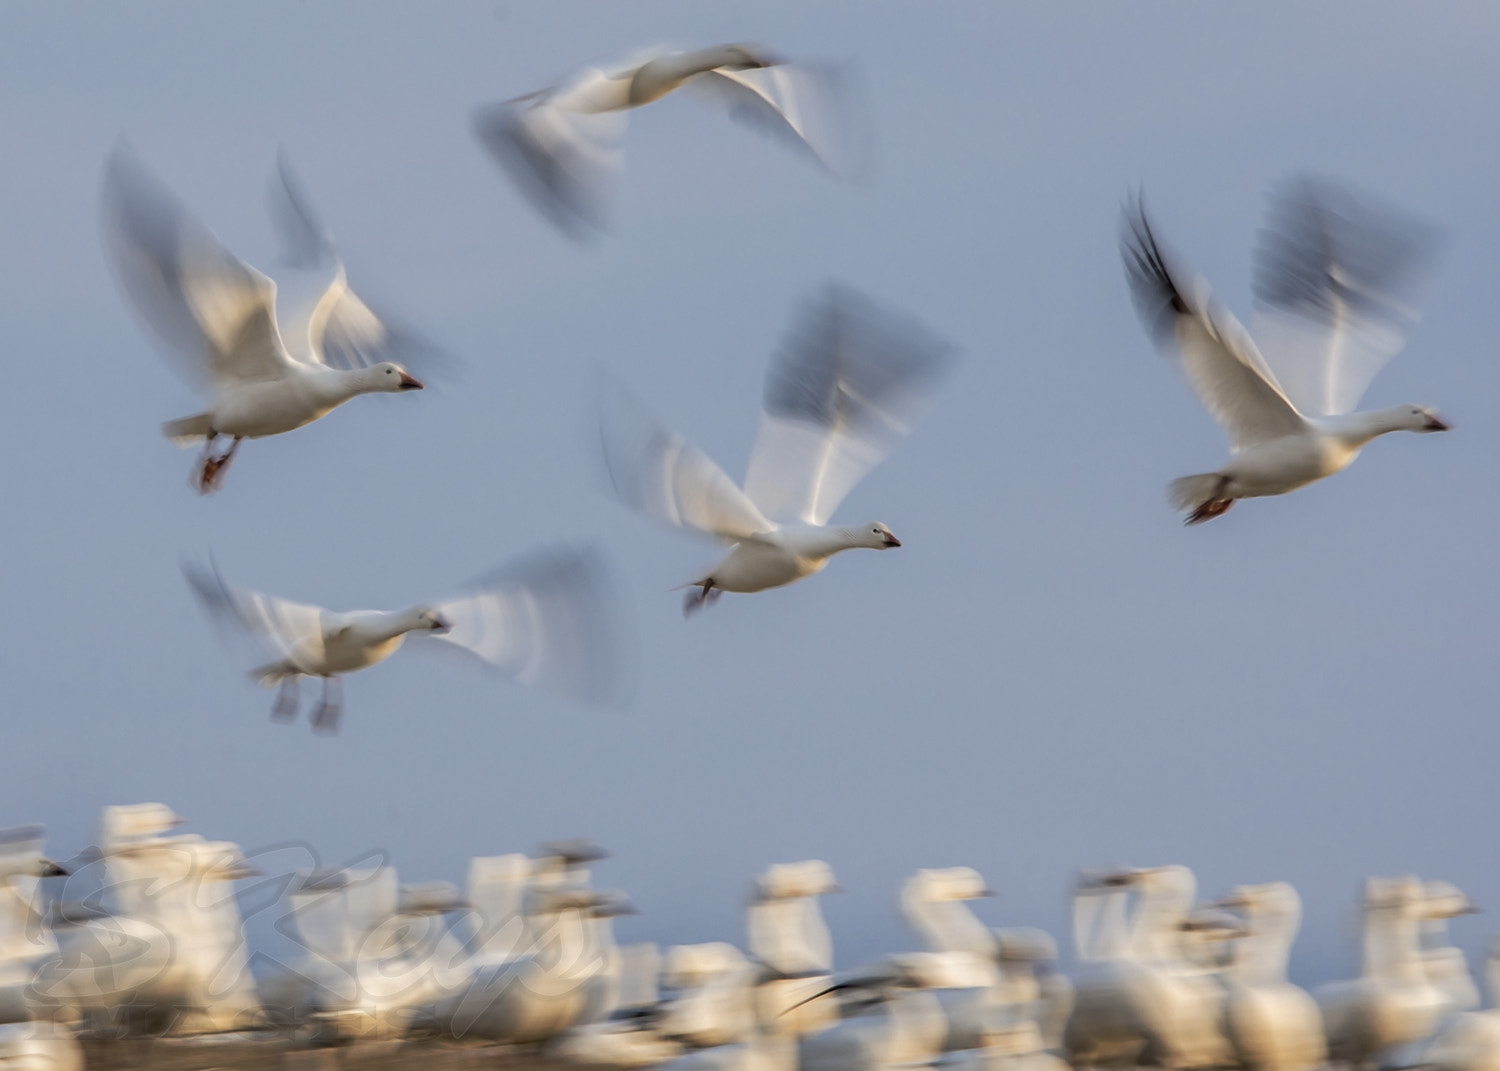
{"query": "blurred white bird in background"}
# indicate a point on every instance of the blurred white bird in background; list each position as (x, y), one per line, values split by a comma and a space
(850, 381)
(24, 938)
(160, 949)
(1333, 275)
(217, 316)
(1394, 1003)
(550, 621)
(561, 145)
(1469, 1041)
(786, 933)
(1272, 1024)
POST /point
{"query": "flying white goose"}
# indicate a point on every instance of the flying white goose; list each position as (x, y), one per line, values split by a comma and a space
(1330, 276)
(850, 381)
(561, 145)
(218, 315)
(546, 621)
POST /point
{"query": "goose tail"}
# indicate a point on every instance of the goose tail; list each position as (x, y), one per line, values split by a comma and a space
(188, 430)
(1202, 496)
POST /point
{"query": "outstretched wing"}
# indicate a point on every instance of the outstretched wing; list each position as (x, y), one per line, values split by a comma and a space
(561, 148)
(1335, 278)
(284, 629)
(1217, 354)
(850, 381)
(818, 109)
(337, 329)
(551, 621)
(214, 311)
(665, 477)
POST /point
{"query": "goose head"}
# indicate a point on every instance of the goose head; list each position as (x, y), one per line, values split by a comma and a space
(388, 376)
(875, 536)
(742, 57)
(426, 619)
(954, 883)
(1421, 418)
(1444, 900)
(788, 881)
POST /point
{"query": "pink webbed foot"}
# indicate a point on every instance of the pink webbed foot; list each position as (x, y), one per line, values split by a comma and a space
(1207, 511)
(211, 473)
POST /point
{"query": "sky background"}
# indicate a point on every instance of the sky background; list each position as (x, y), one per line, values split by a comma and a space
(1051, 673)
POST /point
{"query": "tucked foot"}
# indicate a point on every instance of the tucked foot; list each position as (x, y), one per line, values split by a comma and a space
(701, 595)
(1207, 511)
(325, 717)
(287, 701)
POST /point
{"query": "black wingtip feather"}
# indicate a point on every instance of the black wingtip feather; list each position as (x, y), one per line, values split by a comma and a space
(1158, 300)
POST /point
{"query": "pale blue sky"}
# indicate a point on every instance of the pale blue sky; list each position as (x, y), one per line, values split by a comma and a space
(1050, 673)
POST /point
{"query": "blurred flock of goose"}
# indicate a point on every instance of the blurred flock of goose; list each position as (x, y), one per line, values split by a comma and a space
(142, 936)
(146, 936)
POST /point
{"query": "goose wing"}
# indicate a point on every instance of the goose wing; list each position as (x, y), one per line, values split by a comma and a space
(817, 109)
(850, 381)
(338, 329)
(214, 311)
(284, 629)
(1217, 354)
(561, 148)
(662, 475)
(550, 621)
(1335, 278)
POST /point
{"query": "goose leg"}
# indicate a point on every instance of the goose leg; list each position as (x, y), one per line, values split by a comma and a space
(325, 718)
(287, 701)
(699, 596)
(1207, 511)
(210, 476)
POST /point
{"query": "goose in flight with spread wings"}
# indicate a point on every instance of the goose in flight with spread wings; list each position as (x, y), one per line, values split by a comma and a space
(1332, 275)
(561, 146)
(548, 621)
(218, 317)
(850, 381)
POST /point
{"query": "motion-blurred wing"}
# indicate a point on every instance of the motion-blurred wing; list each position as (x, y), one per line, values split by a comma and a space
(816, 109)
(1335, 280)
(665, 477)
(562, 158)
(550, 621)
(286, 629)
(212, 309)
(337, 329)
(849, 383)
(1217, 354)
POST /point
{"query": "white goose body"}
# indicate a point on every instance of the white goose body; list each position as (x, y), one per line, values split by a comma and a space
(785, 555)
(301, 395)
(1326, 278)
(1323, 447)
(846, 387)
